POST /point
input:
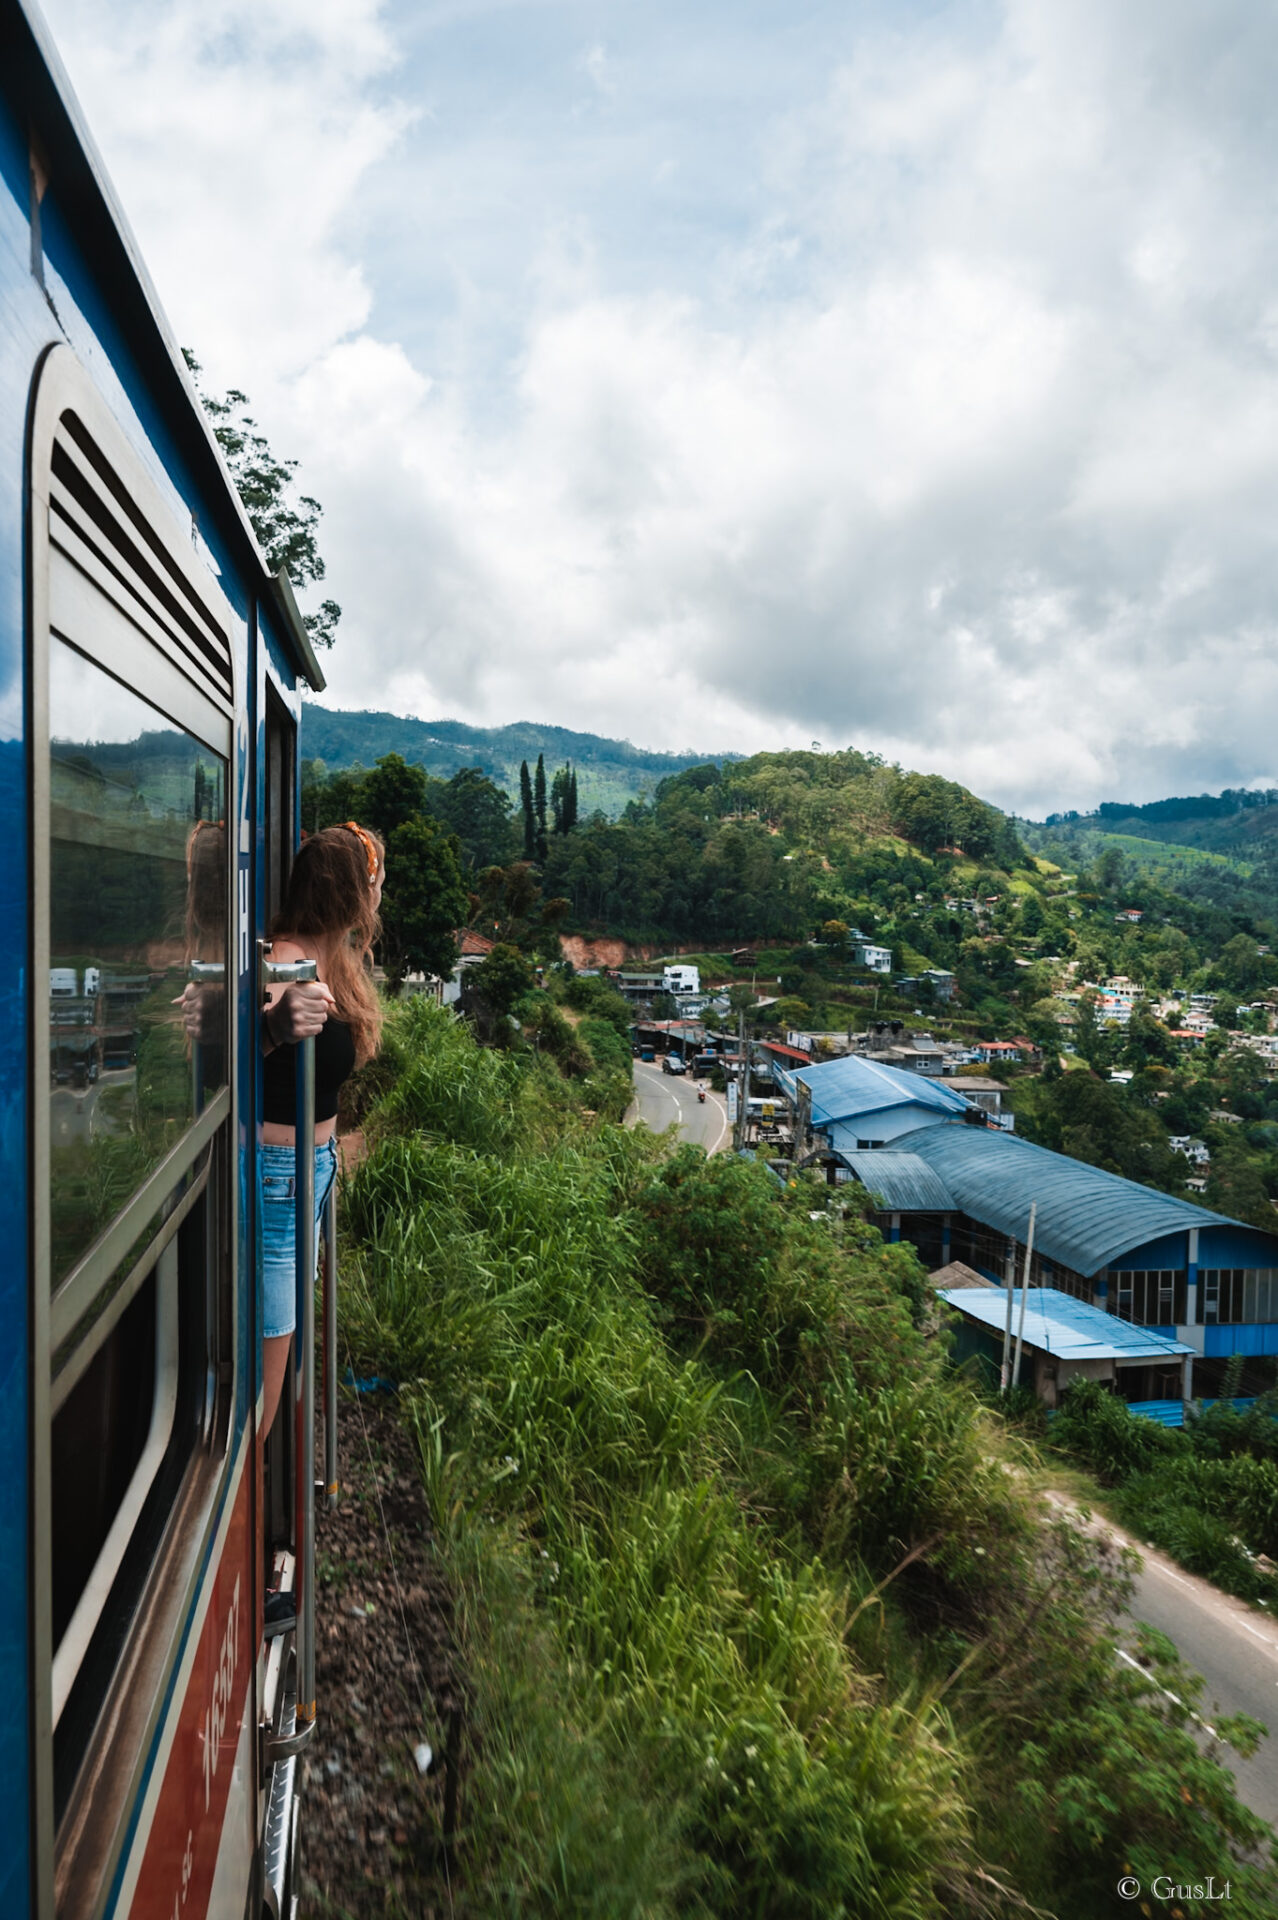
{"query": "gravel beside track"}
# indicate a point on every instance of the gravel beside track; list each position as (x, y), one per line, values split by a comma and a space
(387, 1679)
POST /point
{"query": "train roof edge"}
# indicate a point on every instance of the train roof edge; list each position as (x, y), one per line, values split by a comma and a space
(32, 75)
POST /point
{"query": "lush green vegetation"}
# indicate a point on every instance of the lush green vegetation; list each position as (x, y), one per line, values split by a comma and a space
(756, 1618)
(1206, 1493)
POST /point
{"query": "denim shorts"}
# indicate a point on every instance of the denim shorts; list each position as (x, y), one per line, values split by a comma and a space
(278, 1174)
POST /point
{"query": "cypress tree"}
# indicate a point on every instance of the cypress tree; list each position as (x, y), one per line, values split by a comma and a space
(526, 797)
(563, 804)
(539, 806)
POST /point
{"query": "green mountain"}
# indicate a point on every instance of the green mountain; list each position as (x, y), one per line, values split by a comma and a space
(1217, 849)
(610, 773)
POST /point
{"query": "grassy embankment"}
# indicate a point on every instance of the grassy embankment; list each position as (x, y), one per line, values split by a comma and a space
(1206, 1494)
(756, 1621)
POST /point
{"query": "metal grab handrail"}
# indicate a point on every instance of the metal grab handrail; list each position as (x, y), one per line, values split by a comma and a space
(330, 1350)
(276, 973)
(305, 1485)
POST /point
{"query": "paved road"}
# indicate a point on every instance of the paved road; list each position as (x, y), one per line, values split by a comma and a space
(1236, 1651)
(73, 1111)
(1233, 1647)
(661, 1098)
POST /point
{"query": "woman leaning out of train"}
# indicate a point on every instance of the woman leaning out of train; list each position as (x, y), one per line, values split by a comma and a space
(329, 916)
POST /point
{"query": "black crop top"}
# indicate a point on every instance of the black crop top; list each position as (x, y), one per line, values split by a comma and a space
(334, 1063)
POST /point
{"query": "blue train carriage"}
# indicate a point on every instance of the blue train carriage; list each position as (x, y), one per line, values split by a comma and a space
(150, 683)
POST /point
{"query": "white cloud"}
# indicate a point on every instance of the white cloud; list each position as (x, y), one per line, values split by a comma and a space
(599, 69)
(239, 132)
(925, 399)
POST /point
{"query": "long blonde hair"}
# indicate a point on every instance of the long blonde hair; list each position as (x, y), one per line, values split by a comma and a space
(330, 898)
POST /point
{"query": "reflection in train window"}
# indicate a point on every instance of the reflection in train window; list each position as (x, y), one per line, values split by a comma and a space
(137, 949)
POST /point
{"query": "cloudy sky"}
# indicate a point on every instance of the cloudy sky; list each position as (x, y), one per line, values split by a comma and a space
(739, 373)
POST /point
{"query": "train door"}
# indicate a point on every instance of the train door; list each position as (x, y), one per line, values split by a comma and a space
(279, 838)
(141, 1504)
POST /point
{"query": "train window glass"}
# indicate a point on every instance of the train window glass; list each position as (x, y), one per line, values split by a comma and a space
(281, 749)
(137, 946)
(100, 1438)
(123, 1437)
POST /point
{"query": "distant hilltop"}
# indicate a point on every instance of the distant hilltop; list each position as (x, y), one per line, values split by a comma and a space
(610, 773)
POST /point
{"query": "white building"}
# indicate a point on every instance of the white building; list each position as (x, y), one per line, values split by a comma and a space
(877, 959)
(681, 979)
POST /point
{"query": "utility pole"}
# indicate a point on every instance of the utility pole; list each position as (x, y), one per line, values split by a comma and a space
(744, 1084)
(1020, 1325)
(1009, 1274)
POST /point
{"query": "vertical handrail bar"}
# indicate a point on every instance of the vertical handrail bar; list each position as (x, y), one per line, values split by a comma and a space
(289, 973)
(305, 1490)
(330, 1350)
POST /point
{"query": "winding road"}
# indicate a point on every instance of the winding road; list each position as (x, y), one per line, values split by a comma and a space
(664, 1098)
(1233, 1646)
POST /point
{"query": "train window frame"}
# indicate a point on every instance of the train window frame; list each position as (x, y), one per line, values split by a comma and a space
(164, 630)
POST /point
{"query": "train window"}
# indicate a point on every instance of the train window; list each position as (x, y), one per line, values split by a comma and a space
(281, 750)
(134, 1110)
(137, 865)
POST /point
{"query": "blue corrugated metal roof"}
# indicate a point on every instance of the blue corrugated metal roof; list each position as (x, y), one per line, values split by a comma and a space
(842, 1088)
(1056, 1322)
(903, 1182)
(1168, 1413)
(1086, 1217)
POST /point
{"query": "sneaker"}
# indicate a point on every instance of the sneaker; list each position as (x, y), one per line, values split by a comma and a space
(281, 1614)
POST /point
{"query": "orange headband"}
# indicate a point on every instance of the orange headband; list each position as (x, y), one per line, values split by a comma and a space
(369, 849)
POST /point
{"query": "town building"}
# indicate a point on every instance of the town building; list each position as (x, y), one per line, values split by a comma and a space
(1063, 1340)
(857, 1104)
(960, 1189)
(867, 954)
(681, 979)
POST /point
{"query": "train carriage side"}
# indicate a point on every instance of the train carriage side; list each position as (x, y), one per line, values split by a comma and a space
(150, 676)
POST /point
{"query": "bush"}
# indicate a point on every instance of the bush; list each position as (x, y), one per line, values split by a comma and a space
(1099, 1429)
(608, 1048)
(598, 998)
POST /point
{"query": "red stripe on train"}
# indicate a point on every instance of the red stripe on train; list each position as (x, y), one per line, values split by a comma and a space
(181, 1852)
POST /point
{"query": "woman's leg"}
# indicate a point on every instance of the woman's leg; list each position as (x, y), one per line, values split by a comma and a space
(275, 1355)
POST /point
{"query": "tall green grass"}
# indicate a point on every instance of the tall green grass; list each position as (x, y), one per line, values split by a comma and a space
(756, 1621)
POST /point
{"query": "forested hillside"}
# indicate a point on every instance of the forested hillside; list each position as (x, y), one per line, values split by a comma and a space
(1218, 848)
(784, 858)
(611, 772)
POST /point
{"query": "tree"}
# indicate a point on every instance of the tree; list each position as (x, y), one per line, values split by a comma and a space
(510, 901)
(1092, 1120)
(1108, 870)
(478, 812)
(423, 903)
(1240, 965)
(1032, 916)
(1236, 1184)
(539, 808)
(501, 978)
(285, 523)
(393, 794)
(563, 800)
(530, 821)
